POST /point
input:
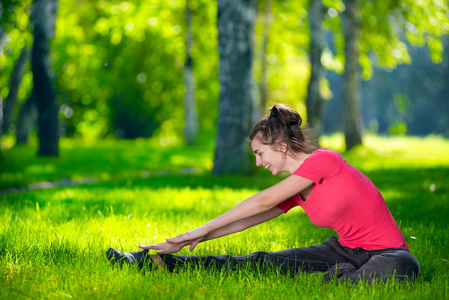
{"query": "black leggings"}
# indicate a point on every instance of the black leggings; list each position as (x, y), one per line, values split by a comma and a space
(329, 257)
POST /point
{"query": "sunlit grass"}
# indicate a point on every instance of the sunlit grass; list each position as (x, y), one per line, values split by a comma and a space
(52, 242)
(393, 152)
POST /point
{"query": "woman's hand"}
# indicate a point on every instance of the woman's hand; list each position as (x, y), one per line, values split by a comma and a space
(164, 248)
(173, 245)
(194, 235)
(169, 247)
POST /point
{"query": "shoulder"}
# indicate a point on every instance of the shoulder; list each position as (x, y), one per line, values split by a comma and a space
(324, 155)
(320, 164)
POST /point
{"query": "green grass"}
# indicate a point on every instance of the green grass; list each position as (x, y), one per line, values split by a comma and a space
(109, 160)
(58, 236)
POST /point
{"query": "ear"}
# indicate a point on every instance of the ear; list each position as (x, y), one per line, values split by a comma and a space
(282, 147)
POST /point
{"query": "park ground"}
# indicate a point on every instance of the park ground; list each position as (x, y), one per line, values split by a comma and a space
(59, 216)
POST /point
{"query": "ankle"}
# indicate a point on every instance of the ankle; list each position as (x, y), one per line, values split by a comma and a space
(157, 261)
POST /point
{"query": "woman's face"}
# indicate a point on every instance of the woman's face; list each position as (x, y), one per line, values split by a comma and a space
(268, 157)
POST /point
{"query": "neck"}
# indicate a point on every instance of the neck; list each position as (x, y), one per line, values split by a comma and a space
(294, 160)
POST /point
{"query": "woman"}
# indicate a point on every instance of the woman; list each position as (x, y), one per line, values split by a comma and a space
(332, 193)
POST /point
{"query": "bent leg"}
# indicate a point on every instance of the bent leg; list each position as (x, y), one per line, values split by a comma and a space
(398, 263)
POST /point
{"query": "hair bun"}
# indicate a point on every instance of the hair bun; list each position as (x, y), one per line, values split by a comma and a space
(274, 113)
(284, 115)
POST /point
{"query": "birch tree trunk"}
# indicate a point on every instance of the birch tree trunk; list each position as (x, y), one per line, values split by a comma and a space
(261, 104)
(26, 119)
(44, 18)
(11, 99)
(190, 111)
(236, 21)
(314, 101)
(352, 120)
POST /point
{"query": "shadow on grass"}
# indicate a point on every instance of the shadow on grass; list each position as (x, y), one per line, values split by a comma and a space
(414, 194)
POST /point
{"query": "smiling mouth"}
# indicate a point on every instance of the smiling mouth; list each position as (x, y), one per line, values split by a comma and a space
(267, 166)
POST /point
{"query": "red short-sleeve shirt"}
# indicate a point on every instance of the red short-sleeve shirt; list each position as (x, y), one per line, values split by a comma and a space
(344, 199)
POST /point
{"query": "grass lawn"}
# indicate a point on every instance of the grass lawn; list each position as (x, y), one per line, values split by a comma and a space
(52, 241)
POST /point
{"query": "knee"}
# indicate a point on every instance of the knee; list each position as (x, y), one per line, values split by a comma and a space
(408, 264)
(402, 263)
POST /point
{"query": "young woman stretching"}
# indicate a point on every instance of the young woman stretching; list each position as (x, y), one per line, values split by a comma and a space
(333, 194)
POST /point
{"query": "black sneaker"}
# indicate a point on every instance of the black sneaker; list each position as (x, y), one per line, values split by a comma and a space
(140, 258)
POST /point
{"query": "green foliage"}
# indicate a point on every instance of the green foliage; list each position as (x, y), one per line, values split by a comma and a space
(383, 26)
(334, 60)
(52, 242)
(118, 64)
(288, 42)
(15, 22)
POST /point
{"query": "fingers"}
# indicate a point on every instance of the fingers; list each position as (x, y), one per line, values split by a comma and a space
(194, 243)
(160, 249)
(173, 245)
(177, 239)
(192, 246)
(163, 248)
(152, 246)
(188, 236)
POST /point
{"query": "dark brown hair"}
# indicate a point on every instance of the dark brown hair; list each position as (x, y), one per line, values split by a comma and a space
(283, 125)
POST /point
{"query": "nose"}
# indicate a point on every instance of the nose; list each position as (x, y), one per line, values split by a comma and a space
(258, 161)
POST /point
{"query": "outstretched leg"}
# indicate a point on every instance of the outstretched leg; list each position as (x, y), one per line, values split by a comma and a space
(329, 257)
(318, 258)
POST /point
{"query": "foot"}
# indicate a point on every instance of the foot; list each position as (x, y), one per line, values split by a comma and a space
(140, 258)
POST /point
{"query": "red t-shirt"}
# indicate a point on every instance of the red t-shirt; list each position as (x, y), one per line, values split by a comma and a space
(344, 199)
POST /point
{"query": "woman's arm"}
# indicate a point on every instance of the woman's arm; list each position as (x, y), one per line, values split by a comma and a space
(240, 225)
(244, 224)
(257, 204)
(234, 227)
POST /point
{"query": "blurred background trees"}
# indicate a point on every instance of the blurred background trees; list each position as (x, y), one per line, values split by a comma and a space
(314, 100)
(43, 15)
(129, 69)
(191, 125)
(236, 20)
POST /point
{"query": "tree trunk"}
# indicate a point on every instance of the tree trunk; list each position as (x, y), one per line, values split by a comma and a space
(2, 39)
(26, 119)
(11, 99)
(236, 21)
(44, 18)
(1, 123)
(190, 112)
(352, 125)
(314, 101)
(260, 107)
